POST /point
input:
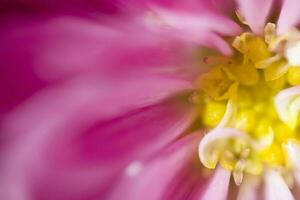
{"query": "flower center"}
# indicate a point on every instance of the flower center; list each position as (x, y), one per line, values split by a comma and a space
(241, 105)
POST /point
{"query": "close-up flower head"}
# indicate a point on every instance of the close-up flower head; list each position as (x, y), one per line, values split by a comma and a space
(150, 100)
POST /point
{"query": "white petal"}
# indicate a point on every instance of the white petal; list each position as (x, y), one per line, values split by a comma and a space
(287, 104)
(208, 155)
(292, 149)
(292, 54)
(275, 187)
(218, 186)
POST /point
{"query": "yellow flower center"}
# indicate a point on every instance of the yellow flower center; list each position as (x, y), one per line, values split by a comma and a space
(239, 94)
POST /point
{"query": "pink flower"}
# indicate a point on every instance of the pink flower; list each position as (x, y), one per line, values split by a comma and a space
(149, 100)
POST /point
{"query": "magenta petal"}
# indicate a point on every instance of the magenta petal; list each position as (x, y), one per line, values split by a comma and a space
(55, 6)
(62, 47)
(62, 150)
(66, 45)
(289, 15)
(112, 97)
(255, 13)
(169, 175)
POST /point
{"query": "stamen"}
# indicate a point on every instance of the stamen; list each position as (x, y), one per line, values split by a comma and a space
(270, 32)
(238, 172)
(240, 17)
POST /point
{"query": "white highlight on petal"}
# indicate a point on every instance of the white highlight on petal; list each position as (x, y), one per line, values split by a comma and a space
(287, 104)
(292, 149)
(249, 187)
(207, 151)
(133, 168)
(275, 187)
(218, 186)
(292, 53)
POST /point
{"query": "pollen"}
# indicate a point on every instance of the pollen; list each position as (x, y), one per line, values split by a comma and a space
(249, 130)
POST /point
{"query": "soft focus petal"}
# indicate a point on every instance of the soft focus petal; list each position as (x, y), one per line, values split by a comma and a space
(289, 15)
(218, 186)
(75, 6)
(249, 190)
(196, 27)
(190, 21)
(137, 91)
(255, 13)
(42, 134)
(226, 6)
(275, 187)
(61, 47)
(169, 175)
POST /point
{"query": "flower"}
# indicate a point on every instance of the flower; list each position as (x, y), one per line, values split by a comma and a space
(150, 100)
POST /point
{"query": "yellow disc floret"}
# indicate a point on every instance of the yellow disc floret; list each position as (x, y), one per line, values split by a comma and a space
(249, 81)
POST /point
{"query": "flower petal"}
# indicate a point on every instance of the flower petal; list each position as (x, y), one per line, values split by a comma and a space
(207, 154)
(194, 27)
(59, 128)
(76, 6)
(170, 174)
(191, 21)
(64, 47)
(287, 104)
(292, 149)
(249, 188)
(275, 187)
(255, 13)
(218, 186)
(289, 16)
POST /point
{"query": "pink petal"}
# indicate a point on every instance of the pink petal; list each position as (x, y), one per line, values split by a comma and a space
(249, 190)
(61, 45)
(169, 175)
(218, 186)
(193, 21)
(289, 15)
(255, 13)
(198, 27)
(57, 142)
(57, 48)
(226, 6)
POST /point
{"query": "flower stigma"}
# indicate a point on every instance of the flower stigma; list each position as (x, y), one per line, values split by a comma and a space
(250, 106)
